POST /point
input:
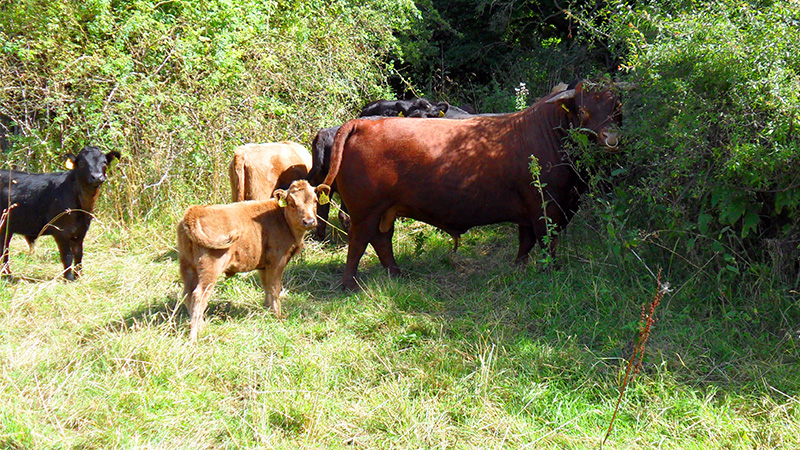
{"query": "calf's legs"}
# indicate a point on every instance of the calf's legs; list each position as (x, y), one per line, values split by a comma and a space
(271, 282)
(198, 285)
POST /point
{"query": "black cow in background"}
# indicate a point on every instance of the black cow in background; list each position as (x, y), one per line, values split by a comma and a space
(58, 204)
(416, 107)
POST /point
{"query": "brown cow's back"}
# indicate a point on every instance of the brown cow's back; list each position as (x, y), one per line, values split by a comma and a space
(258, 169)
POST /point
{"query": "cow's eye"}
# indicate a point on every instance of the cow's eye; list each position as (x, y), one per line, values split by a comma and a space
(583, 115)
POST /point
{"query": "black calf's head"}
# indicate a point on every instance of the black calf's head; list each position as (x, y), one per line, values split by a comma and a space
(90, 165)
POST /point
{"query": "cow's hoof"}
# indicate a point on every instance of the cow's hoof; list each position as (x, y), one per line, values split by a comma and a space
(349, 285)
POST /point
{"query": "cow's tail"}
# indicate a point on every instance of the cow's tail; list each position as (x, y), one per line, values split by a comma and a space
(338, 147)
(237, 177)
(192, 227)
(317, 160)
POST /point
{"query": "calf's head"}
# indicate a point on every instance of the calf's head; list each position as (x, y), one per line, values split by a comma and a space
(596, 109)
(91, 164)
(299, 203)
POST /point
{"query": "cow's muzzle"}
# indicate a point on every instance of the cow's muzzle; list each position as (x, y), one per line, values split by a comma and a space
(309, 223)
(609, 139)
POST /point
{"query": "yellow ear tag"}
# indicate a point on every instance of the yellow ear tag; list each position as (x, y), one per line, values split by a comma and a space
(324, 199)
(69, 164)
(441, 113)
(565, 107)
(282, 202)
(400, 114)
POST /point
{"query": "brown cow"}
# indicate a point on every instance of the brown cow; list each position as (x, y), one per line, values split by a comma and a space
(457, 174)
(258, 169)
(240, 237)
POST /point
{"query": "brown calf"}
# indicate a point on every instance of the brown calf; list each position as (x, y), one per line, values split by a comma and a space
(241, 237)
(258, 169)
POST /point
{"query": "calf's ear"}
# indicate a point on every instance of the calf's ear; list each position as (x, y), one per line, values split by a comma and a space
(69, 161)
(280, 195)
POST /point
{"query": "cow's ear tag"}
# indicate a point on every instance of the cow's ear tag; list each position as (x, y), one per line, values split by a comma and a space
(400, 114)
(282, 202)
(324, 199)
(441, 113)
(565, 108)
(69, 164)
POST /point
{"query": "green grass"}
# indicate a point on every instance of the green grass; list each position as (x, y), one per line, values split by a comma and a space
(463, 351)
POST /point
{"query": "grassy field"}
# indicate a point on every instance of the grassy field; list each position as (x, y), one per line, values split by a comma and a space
(463, 351)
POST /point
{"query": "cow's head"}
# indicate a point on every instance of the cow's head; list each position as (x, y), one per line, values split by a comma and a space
(595, 108)
(299, 203)
(90, 165)
(421, 107)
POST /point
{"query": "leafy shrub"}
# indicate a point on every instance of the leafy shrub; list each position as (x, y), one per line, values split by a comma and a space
(713, 139)
(175, 86)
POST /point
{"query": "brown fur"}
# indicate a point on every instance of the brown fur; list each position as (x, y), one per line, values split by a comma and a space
(240, 237)
(258, 169)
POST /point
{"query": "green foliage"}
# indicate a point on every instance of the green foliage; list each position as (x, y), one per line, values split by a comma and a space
(478, 51)
(175, 85)
(713, 142)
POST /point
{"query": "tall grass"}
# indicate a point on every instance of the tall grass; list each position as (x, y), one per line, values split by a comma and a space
(463, 351)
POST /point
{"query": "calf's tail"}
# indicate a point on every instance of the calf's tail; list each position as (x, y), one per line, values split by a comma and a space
(236, 173)
(338, 147)
(192, 227)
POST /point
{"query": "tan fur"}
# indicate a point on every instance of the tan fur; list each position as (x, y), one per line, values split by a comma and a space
(240, 237)
(257, 169)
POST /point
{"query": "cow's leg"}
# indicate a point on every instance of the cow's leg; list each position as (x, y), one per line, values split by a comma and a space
(198, 304)
(4, 249)
(322, 212)
(208, 270)
(67, 256)
(76, 245)
(271, 282)
(361, 233)
(527, 239)
(382, 243)
(189, 277)
(344, 218)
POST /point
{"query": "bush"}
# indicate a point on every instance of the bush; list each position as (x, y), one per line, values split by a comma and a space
(713, 139)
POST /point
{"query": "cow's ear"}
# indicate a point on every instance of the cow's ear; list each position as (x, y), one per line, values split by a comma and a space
(69, 161)
(110, 156)
(564, 100)
(566, 95)
(442, 107)
(280, 195)
(402, 110)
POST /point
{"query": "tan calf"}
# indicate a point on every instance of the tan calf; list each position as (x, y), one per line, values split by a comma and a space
(241, 237)
(258, 169)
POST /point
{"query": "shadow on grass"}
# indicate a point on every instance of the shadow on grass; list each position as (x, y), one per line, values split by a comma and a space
(169, 255)
(586, 312)
(171, 314)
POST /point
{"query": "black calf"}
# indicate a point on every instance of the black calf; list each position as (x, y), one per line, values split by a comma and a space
(57, 204)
